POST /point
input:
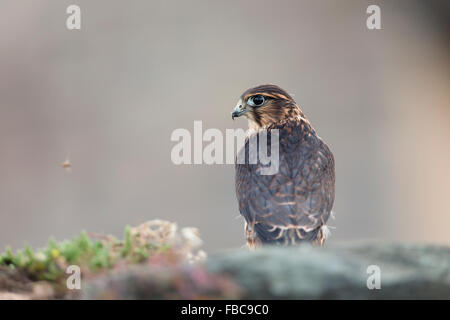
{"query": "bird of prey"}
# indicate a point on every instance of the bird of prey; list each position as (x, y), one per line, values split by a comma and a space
(293, 205)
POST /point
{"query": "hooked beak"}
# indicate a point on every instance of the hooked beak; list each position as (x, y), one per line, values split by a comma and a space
(238, 111)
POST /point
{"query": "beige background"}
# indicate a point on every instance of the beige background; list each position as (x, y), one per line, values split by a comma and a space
(110, 95)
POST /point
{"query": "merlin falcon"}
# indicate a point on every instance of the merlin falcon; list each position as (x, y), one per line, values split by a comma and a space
(291, 206)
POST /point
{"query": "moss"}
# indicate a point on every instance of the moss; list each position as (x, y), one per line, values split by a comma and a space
(127, 242)
(41, 273)
(91, 255)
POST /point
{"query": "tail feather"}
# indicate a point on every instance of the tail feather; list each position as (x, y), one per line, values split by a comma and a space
(262, 234)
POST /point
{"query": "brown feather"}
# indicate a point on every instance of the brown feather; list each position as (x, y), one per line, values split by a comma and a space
(291, 206)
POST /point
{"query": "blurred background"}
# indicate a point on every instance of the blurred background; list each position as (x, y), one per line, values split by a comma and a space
(108, 97)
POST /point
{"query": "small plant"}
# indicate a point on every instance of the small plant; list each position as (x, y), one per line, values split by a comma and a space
(98, 253)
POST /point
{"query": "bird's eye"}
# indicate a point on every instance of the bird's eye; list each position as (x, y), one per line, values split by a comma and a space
(256, 101)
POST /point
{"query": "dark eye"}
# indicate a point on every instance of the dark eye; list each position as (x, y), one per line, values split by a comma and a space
(256, 101)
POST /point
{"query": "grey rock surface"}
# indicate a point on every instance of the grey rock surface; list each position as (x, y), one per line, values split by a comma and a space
(330, 272)
(339, 272)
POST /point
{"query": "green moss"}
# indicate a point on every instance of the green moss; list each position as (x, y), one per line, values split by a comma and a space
(127, 242)
(91, 255)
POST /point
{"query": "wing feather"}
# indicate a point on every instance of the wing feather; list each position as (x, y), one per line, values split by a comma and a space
(291, 205)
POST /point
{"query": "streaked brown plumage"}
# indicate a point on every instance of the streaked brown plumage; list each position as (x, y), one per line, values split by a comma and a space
(293, 205)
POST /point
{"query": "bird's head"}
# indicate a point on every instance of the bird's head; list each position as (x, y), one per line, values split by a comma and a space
(265, 105)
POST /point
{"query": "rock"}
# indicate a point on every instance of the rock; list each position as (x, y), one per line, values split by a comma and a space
(150, 282)
(11, 280)
(15, 285)
(13, 296)
(305, 272)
